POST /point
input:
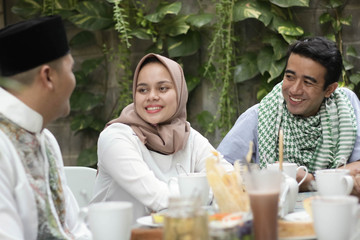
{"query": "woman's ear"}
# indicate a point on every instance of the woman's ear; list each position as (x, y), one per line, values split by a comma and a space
(46, 77)
(330, 89)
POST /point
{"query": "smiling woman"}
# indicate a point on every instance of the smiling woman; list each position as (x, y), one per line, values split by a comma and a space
(139, 151)
(155, 96)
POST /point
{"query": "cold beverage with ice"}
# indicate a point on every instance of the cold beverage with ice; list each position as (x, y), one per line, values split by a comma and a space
(264, 188)
(264, 208)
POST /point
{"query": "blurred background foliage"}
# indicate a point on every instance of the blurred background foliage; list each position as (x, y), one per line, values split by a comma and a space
(227, 55)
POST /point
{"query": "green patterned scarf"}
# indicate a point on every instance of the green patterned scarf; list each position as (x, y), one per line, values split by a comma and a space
(325, 140)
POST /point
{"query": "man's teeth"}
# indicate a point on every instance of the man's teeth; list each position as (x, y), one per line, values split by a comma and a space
(153, 108)
(295, 99)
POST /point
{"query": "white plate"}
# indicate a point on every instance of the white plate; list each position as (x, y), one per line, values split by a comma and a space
(299, 238)
(147, 221)
(301, 216)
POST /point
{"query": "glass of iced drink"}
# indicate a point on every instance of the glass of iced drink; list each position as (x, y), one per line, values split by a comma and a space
(263, 188)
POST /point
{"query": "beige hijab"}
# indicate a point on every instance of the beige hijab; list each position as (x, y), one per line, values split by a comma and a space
(167, 137)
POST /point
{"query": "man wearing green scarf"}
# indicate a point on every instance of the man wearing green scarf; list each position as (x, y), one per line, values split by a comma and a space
(319, 119)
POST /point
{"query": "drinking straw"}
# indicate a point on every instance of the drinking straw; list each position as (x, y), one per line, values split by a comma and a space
(281, 148)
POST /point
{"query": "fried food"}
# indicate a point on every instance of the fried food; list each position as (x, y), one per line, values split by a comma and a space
(228, 188)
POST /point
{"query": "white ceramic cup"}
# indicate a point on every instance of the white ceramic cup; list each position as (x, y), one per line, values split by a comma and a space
(192, 184)
(289, 169)
(334, 182)
(335, 217)
(110, 220)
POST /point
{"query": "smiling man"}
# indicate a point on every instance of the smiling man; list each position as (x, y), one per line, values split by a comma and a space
(35, 201)
(319, 119)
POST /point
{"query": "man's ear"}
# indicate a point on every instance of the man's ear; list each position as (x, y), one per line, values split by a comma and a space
(330, 89)
(46, 76)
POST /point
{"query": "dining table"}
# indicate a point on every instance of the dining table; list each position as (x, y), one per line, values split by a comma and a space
(145, 232)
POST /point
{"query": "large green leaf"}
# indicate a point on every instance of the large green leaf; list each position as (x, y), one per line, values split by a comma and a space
(276, 68)
(184, 45)
(85, 101)
(335, 3)
(289, 39)
(264, 59)
(199, 20)
(290, 3)
(27, 8)
(252, 9)
(247, 68)
(325, 17)
(65, 4)
(82, 39)
(140, 33)
(64, 13)
(163, 10)
(93, 15)
(285, 27)
(176, 26)
(278, 45)
(346, 20)
(336, 25)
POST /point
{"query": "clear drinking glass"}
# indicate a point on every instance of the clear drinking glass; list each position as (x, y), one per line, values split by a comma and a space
(185, 219)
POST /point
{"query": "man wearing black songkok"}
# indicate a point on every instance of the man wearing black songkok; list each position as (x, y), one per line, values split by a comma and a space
(35, 202)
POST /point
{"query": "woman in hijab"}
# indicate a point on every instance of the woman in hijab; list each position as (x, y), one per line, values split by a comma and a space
(139, 151)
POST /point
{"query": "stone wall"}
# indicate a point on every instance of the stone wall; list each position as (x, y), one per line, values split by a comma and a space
(203, 97)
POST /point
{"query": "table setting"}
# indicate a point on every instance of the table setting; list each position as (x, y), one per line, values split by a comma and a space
(250, 203)
(269, 205)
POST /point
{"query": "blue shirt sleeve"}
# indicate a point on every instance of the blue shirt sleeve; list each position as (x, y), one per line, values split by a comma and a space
(355, 155)
(235, 144)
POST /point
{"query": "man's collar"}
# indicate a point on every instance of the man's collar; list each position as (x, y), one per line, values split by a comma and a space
(19, 113)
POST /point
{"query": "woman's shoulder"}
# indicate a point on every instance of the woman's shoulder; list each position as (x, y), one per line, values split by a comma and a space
(196, 136)
(117, 130)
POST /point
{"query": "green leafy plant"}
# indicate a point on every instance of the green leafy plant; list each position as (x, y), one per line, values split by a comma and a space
(171, 33)
(259, 56)
(333, 22)
(235, 54)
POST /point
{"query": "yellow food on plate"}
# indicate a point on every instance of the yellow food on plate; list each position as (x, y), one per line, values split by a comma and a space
(225, 216)
(229, 192)
(157, 218)
(307, 205)
(295, 229)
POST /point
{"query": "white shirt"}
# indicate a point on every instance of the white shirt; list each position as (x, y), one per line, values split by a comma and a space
(128, 171)
(18, 211)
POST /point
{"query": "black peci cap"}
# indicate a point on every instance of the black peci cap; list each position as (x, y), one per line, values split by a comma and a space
(28, 44)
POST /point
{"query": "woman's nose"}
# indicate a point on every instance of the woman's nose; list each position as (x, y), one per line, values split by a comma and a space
(153, 96)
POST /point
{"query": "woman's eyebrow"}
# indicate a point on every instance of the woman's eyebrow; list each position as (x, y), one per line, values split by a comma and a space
(141, 84)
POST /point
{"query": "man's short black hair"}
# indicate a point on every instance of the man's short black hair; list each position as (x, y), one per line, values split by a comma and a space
(323, 51)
